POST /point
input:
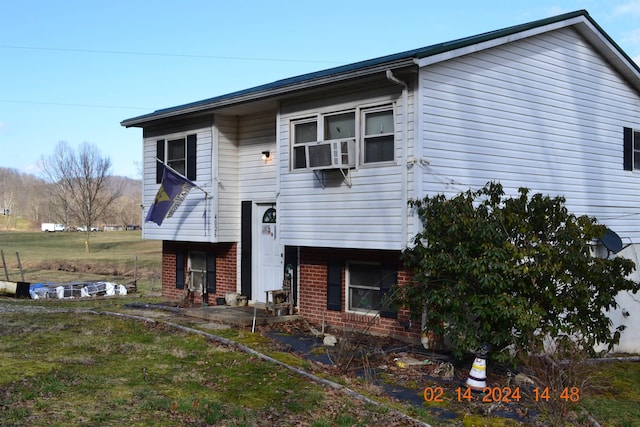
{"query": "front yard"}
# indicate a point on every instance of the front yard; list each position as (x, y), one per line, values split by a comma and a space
(80, 368)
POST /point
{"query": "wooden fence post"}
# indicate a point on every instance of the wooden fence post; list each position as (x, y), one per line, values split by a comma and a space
(20, 266)
(4, 264)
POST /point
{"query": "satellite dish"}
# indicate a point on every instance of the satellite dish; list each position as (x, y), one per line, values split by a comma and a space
(611, 241)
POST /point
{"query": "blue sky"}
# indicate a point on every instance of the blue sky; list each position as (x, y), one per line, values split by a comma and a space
(72, 70)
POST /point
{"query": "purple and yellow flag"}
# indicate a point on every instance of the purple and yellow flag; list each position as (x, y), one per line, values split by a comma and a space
(172, 192)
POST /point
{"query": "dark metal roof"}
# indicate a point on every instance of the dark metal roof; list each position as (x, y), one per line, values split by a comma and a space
(356, 69)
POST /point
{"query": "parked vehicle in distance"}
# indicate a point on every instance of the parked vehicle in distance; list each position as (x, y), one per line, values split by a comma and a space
(50, 226)
(84, 228)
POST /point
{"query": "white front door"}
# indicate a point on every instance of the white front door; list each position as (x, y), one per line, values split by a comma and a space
(268, 254)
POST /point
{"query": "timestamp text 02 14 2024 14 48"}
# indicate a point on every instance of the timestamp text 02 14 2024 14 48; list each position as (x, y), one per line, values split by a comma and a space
(502, 394)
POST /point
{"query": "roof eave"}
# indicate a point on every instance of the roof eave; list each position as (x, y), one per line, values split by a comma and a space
(264, 92)
(581, 21)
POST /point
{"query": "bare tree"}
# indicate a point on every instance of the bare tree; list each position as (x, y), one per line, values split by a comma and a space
(11, 181)
(80, 182)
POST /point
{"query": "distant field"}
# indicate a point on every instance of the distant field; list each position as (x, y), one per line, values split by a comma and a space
(62, 257)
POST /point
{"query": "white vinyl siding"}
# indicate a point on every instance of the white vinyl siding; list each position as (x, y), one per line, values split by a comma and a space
(257, 176)
(230, 168)
(228, 221)
(367, 215)
(188, 223)
(545, 113)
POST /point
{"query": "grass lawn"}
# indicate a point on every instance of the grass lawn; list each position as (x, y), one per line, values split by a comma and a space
(82, 369)
(76, 368)
(62, 257)
(618, 401)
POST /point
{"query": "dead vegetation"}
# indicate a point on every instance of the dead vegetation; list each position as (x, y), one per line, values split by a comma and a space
(97, 268)
(432, 383)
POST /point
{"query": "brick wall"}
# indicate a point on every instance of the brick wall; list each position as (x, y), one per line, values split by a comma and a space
(313, 285)
(226, 272)
(313, 293)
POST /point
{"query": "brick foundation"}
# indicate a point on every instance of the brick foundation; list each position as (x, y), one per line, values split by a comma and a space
(313, 293)
(313, 285)
(226, 261)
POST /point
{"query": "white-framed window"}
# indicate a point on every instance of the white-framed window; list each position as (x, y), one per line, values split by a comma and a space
(304, 131)
(177, 155)
(197, 271)
(340, 125)
(330, 139)
(363, 287)
(378, 135)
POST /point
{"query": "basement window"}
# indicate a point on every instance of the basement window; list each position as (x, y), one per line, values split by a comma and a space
(197, 271)
(363, 287)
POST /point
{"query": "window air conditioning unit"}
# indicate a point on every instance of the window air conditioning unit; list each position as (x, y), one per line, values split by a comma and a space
(334, 154)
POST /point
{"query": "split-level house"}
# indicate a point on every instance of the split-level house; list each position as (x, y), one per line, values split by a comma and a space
(312, 175)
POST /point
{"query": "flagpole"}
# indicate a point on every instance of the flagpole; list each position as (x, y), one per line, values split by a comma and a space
(206, 194)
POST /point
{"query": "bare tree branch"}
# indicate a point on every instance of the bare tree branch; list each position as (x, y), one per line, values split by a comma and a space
(80, 180)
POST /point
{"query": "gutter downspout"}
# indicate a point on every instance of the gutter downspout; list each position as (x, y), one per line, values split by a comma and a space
(405, 139)
(215, 179)
(424, 338)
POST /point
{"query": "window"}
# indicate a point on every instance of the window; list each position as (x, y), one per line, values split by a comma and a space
(269, 216)
(369, 288)
(303, 132)
(378, 136)
(202, 272)
(363, 289)
(197, 270)
(329, 140)
(340, 126)
(179, 154)
(308, 153)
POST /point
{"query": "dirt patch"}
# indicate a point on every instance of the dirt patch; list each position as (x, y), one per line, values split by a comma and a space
(98, 268)
(69, 271)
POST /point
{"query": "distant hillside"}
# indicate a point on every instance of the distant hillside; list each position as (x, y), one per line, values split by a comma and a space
(25, 201)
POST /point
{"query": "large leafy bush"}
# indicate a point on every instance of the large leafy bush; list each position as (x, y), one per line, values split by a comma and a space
(509, 271)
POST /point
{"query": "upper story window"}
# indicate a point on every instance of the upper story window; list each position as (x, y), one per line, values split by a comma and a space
(340, 126)
(304, 131)
(378, 136)
(179, 154)
(332, 140)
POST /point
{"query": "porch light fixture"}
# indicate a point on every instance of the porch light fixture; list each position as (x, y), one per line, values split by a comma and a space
(266, 155)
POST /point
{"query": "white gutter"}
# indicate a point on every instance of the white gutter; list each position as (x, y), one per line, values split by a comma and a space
(404, 165)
